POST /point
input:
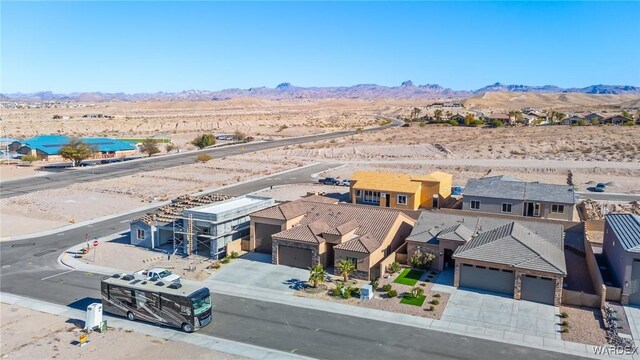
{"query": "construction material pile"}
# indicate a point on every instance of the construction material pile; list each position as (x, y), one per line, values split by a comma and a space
(171, 212)
(596, 210)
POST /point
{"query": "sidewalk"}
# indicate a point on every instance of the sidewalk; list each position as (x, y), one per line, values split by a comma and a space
(285, 298)
(204, 341)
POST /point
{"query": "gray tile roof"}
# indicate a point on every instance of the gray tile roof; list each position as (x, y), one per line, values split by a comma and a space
(626, 227)
(515, 245)
(504, 188)
(362, 244)
(457, 232)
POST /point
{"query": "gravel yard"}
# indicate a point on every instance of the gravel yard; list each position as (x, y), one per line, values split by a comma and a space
(585, 326)
(381, 301)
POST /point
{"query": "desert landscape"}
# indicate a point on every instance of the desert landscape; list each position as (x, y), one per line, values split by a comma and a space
(608, 154)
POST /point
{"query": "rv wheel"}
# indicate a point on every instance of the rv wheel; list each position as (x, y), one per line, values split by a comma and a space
(187, 328)
(130, 316)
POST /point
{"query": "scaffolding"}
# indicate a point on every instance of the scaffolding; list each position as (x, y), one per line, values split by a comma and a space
(201, 234)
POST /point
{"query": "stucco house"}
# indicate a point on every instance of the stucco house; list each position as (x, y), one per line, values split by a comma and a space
(400, 191)
(621, 248)
(523, 259)
(507, 195)
(318, 230)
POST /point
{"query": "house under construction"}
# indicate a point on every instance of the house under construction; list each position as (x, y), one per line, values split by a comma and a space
(198, 225)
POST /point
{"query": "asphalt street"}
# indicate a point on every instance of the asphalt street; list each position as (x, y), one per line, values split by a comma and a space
(94, 173)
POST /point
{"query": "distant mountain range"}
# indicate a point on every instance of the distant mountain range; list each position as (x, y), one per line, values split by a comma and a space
(407, 90)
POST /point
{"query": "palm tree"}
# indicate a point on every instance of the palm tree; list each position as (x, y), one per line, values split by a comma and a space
(345, 267)
(317, 275)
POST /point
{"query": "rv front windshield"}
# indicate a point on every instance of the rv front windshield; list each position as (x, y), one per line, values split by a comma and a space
(201, 303)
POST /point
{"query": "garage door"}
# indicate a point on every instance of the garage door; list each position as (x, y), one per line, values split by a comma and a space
(293, 256)
(263, 236)
(537, 289)
(634, 284)
(488, 279)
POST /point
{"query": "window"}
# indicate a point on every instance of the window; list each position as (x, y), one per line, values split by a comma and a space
(402, 200)
(506, 208)
(141, 234)
(358, 193)
(371, 196)
(475, 204)
(353, 260)
(558, 209)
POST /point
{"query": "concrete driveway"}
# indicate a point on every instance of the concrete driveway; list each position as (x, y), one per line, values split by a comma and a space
(503, 314)
(255, 269)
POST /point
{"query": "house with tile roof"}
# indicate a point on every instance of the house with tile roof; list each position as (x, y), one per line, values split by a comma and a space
(506, 195)
(523, 259)
(400, 191)
(318, 230)
(621, 249)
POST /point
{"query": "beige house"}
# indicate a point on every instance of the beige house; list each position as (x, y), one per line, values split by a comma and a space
(318, 230)
(523, 259)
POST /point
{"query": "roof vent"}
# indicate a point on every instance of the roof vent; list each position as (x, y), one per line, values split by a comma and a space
(175, 286)
(160, 283)
(127, 277)
(116, 276)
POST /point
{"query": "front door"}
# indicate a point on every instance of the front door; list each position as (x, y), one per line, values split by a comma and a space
(435, 201)
(531, 209)
(387, 200)
(448, 258)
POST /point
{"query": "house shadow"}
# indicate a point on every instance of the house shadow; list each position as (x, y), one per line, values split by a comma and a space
(258, 257)
(123, 238)
(295, 284)
(445, 277)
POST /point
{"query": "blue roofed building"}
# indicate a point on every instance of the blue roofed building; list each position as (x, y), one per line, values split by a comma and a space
(621, 248)
(48, 147)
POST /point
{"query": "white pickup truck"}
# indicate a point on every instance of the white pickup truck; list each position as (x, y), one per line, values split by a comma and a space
(158, 274)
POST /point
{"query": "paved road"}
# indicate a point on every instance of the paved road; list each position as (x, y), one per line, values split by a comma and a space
(62, 179)
(608, 196)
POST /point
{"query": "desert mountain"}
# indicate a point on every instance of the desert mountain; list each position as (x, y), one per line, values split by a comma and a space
(407, 90)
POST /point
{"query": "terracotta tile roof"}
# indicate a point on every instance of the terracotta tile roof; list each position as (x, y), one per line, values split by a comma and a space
(362, 244)
(320, 199)
(337, 219)
(293, 209)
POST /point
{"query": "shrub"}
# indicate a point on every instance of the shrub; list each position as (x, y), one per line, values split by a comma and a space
(375, 284)
(225, 260)
(386, 287)
(234, 255)
(565, 323)
(423, 284)
(203, 158)
(216, 265)
(497, 123)
(417, 292)
(430, 308)
(453, 122)
(581, 122)
(629, 123)
(204, 140)
(394, 267)
(436, 295)
(29, 159)
(435, 302)
(392, 293)
(347, 292)
(422, 124)
(564, 315)
(335, 292)
(356, 292)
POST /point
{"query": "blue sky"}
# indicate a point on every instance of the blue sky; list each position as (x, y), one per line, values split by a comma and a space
(166, 46)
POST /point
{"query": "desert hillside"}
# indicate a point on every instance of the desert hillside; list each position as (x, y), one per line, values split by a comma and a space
(568, 101)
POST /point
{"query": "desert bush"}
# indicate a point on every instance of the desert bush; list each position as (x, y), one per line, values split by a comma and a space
(386, 287)
(435, 302)
(375, 284)
(204, 140)
(203, 158)
(394, 267)
(417, 292)
(564, 315)
(436, 295)
(392, 293)
(234, 255)
(29, 159)
(430, 308)
(225, 260)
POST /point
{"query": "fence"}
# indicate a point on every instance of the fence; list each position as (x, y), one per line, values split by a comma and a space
(594, 271)
(235, 245)
(578, 298)
(614, 293)
(398, 255)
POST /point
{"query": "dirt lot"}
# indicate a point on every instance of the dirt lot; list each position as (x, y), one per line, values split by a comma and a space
(609, 154)
(29, 334)
(49, 209)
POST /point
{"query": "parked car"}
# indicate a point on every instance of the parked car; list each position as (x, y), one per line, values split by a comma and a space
(329, 181)
(600, 187)
(250, 138)
(345, 182)
(158, 274)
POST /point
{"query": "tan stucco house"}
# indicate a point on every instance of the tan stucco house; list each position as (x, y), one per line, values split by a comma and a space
(317, 229)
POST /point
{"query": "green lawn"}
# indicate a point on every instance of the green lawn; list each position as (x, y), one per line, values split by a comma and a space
(409, 277)
(410, 300)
